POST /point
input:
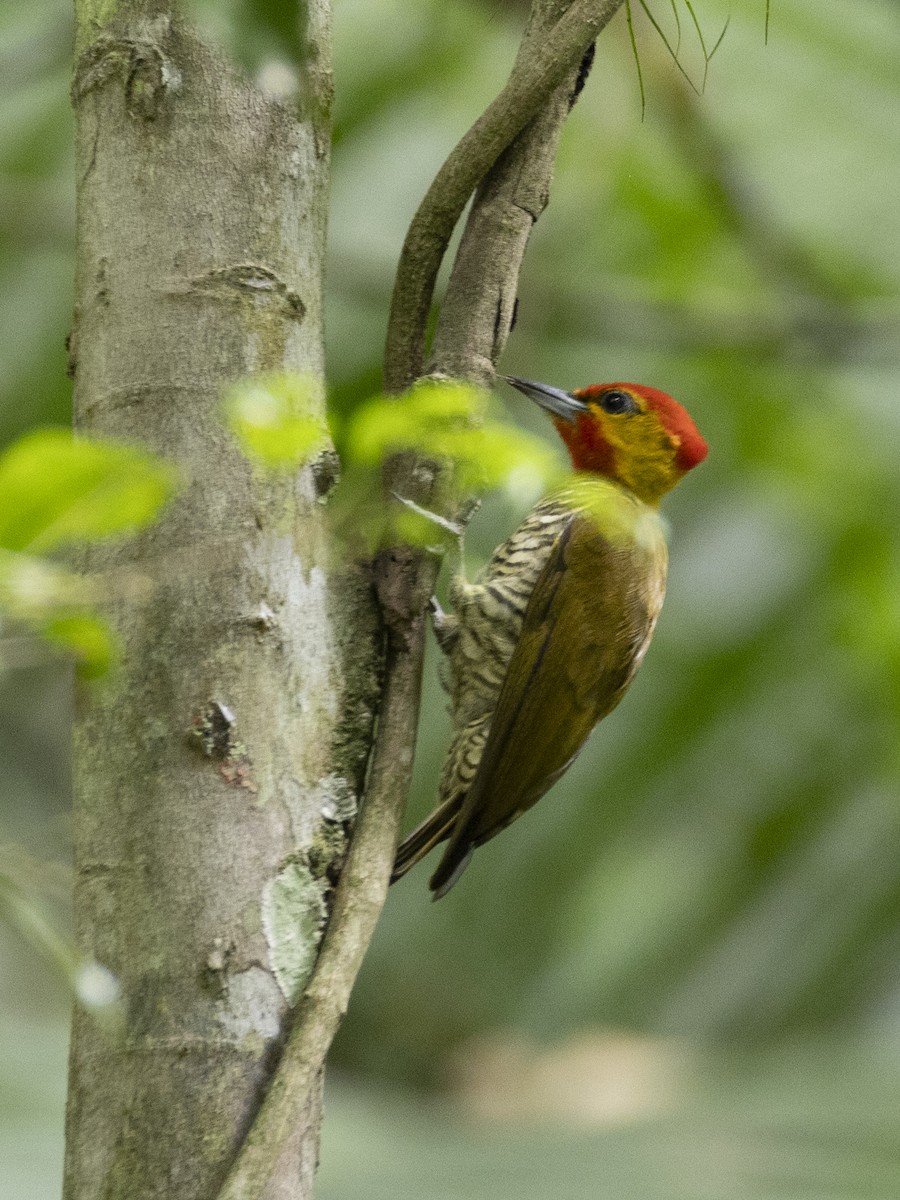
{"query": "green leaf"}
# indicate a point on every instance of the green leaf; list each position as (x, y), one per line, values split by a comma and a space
(32, 589)
(87, 638)
(501, 456)
(275, 419)
(57, 488)
(53, 602)
(446, 421)
(417, 420)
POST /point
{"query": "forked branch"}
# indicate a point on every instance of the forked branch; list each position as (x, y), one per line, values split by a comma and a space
(540, 68)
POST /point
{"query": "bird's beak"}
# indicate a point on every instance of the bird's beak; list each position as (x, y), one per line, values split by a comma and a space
(556, 401)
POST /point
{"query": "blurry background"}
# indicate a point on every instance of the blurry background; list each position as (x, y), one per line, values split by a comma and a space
(680, 975)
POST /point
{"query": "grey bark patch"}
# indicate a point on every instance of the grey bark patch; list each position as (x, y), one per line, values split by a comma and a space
(253, 1003)
(243, 280)
(338, 798)
(293, 917)
(138, 57)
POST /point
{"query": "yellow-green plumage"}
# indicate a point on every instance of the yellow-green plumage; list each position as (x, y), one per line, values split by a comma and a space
(540, 648)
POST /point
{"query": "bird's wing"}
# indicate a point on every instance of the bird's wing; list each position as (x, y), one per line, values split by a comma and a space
(584, 632)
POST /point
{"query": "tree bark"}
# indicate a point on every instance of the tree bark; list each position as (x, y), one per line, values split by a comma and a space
(217, 770)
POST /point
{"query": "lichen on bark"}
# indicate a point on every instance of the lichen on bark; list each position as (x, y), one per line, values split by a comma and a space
(293, 917)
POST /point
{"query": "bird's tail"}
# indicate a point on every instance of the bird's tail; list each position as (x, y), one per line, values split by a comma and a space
(434, 829)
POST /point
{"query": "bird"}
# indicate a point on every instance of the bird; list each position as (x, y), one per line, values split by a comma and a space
(544, 643)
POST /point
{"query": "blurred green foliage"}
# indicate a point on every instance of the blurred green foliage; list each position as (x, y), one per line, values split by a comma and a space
(812, 1120)
(272, 418)
(447, 421)
(721, 863)
(56, 489)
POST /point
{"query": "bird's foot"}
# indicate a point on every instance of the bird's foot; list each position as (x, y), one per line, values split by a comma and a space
(445, 626)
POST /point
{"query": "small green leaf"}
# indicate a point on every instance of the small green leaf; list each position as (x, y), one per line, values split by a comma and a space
(32, 588)
(417, 420)
(56, 488)
(87, 638)
(52, 602)
(501, 456)
(274, 417)
(446, 421)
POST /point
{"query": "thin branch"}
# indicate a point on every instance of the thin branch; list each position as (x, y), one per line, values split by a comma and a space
(720, 39)
(707, 54)
(677, 26)
(358, 900)
(537, 72)
(697, 26)
(636, 57)
(673, 54)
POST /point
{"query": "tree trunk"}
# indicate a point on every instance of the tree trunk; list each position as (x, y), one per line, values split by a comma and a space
(216, 772)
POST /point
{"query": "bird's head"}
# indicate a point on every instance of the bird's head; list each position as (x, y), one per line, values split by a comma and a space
(636, 435)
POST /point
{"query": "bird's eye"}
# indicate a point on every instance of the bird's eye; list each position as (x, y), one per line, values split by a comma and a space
(618, 402)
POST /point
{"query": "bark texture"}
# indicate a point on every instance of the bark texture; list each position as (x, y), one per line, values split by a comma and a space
(217, 771)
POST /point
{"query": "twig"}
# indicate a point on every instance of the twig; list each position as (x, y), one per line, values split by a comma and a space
(707, 54)
(537, 72)
(677, 26)
(673, 54)
(636, 57)
(358, 900)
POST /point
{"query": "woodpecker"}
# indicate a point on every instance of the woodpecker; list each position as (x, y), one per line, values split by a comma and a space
(544, 644)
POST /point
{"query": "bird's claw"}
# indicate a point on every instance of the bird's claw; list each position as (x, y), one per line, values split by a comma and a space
(445, 625)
